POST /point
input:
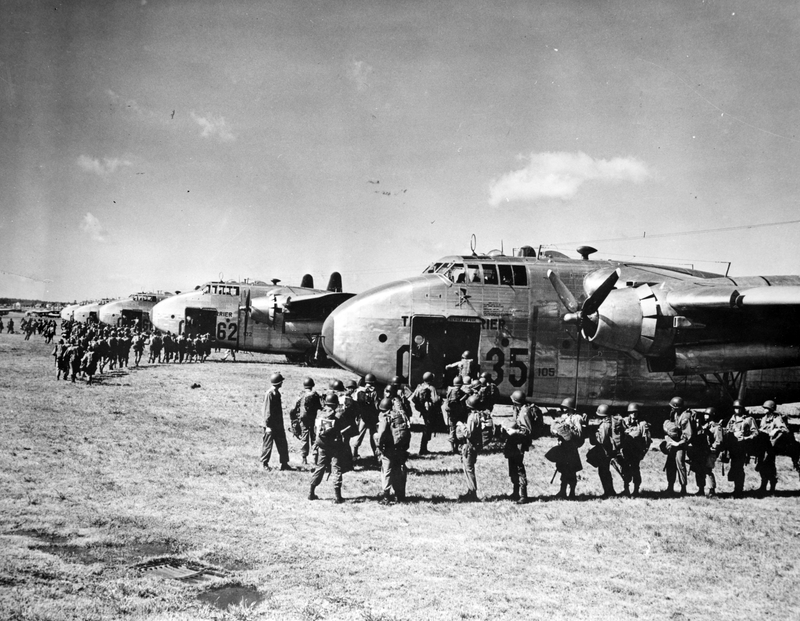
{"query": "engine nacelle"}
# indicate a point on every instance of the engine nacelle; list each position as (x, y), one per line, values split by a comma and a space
(628, 321)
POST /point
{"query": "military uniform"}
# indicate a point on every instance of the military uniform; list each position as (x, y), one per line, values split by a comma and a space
(455, 408)
(773, 430)
(634, 448)
(367, 398)
(274, 430)
(712, 436)
(678, 444)
(742, 430)
(470, 445)
(428, 403)
(608, 439)
(518, 441)
(569, 429)
(310, 404)
(393, 457)
(329, 446)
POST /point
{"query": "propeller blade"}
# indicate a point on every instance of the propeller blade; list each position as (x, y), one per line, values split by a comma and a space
(564, 294)
(591, 305)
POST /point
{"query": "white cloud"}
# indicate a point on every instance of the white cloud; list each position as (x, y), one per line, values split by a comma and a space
(91, 225)
(560, 175)
(107, 166)
(213, 127)
(359, 71)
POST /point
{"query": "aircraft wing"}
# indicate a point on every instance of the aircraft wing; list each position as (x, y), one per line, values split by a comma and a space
(706, 298)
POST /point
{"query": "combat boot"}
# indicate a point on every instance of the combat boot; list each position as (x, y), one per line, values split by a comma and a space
(571, 492)
(515, 494)
(338, 493)
(523, 496)
(562, 493)
(311, 494)
(470, 496)
(386, 498)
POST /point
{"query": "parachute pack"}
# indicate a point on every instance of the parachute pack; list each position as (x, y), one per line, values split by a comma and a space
(401, 430)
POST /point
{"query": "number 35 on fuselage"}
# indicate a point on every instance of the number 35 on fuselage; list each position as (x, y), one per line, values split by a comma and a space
(649, 327)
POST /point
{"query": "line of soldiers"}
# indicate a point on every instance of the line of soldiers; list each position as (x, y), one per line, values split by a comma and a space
(333, 427)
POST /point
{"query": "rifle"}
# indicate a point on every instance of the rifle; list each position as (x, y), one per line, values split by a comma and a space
(555, 472)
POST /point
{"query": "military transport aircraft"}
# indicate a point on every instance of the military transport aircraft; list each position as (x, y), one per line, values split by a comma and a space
(604, 331)
(133, 310)
(254, 315)
(87, 312)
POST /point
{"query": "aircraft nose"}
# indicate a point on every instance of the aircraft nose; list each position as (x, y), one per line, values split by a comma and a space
(328, 342)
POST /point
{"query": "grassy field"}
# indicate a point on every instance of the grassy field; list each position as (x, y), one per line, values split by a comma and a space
(97, 479)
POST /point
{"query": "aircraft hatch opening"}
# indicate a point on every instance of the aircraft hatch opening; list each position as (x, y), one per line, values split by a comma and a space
(138, 318)
(438, 341)
(200, 321)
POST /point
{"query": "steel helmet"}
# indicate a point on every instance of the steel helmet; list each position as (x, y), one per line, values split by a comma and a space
(602, 410)
(369, 378)
(738, 405)
(486, 375)
(518, 397)
(467, 354)
(457, 381)
(331, 399)
(569, 403)
(711, 413)
(385, 405)
(474, 402)
(337, 385)
(676, 403)
(428, 377)
(770, 405)
(276, 379)
(308, 383)
(633, 407)
(351, 383)
(396, 380)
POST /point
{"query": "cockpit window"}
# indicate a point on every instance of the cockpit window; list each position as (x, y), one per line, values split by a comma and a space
(432, 268)
(457, 273)
(489, 274)
(520, 275)
(506, 275)
(474, 274)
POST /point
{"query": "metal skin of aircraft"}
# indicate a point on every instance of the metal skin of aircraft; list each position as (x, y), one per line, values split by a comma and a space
(67, 312)
(86, 312)
(135, 309)
(255, 316)
(602, 331)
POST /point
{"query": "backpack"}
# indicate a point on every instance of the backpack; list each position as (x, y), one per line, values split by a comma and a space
(400, 429)
(486, 428)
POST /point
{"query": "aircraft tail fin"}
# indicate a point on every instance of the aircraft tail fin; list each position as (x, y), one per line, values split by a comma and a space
(335, 283)
(307, 281)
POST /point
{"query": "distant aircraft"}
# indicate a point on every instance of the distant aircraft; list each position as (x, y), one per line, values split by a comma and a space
(255, 316)
(67, 312)
(87, 312)
(631, 332)
(133, 310)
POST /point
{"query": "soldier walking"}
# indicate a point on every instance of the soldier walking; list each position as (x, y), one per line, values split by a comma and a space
(519, 436)
(367, 398)
(393, 440)
(274, 430)
(429, 405)
(329, 446)
(305, 413)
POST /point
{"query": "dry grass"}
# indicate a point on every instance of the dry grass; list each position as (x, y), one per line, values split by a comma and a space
(97, 478)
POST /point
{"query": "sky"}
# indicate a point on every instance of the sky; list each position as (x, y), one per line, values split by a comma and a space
(154, 144)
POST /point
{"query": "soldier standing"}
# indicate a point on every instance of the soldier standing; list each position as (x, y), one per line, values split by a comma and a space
(309, 404)
(773, 432)
(742, 431)
(393, 440)
(608, 440)
(711, 436)
(635, 445)
(680, 440)
(367, 398)
(471, 436)
(428, 403)
(465, 366)
(328, 445)
(519, 436)
(569, 429)
(274, 430)
(455, 409)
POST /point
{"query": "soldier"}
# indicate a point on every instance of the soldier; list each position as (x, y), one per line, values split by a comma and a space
(10, 329)
(569, 429)
(471, 436)
(773, 432)
(89, 363)
(487, 390)
(429, 405)
(519, 436)
(367, 398)
(635, 445)
(61, 352)
(1, 325)
(393, 439)
(710, 436)
(608, 441)
(742, 430)
(455, 409)
(328, 445)
(274, 431)
(305, 414)
(396, 392)
(138, 348)
(682, 425)
(349, 409)
(465, 366)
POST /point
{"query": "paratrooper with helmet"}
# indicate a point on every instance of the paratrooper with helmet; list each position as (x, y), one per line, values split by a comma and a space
(608, 440)
(455, 409)
(711, 436)
(329, 446)
(519, 435)
(742, 431)
(465, 366)
(303, 416)
(635, 445)
(393, 439)
(569, 428)
(274, 430)
(773, 434)
(368, 400)
(471, 436)
(679, 434)
(427, 402)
